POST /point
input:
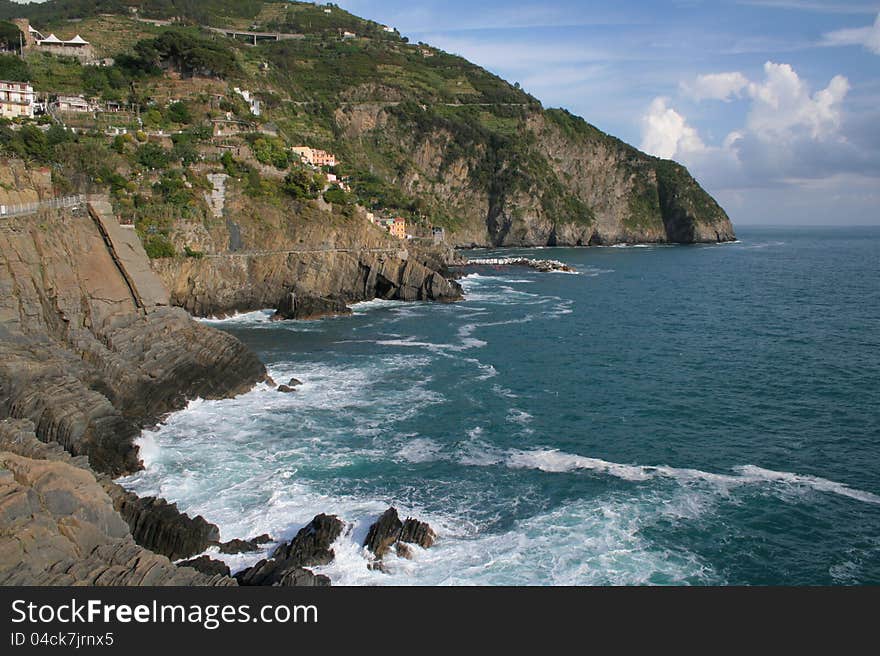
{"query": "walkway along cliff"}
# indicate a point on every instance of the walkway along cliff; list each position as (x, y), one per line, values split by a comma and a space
(90, 353)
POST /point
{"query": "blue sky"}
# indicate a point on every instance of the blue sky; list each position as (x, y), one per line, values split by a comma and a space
(773, 104)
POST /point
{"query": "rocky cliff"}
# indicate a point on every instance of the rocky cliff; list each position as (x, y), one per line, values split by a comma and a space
(91, 352)
(264, 255)
(83, 357)
(558, 182)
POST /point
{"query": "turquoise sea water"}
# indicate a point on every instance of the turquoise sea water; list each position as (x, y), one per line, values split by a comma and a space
(670, 415)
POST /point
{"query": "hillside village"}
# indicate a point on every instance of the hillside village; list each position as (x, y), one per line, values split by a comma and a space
(189, 131)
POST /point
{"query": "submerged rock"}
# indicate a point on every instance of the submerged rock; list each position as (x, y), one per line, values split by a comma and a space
(284, 389)
(544, 266)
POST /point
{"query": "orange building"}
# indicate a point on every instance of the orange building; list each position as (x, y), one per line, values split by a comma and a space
(397, 228)
(314, 156)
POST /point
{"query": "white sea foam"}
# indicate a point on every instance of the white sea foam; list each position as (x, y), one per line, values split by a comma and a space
(517, 416)
(242, 318)
(551, 460)
(595, 542)
(375, 304)
(420, 449)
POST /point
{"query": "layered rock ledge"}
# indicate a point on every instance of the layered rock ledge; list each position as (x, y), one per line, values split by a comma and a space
(58, 525)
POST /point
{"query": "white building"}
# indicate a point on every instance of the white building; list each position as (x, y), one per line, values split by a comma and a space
(17, 99)
(253, 103)
(72, 104)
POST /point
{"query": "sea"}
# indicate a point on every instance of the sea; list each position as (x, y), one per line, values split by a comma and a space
(666, 415)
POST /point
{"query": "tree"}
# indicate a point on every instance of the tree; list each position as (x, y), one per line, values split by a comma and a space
(178, 112)
(10, 36)
(302, 183)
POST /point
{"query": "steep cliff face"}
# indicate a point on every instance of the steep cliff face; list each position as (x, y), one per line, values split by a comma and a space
(554, 180)
(260, 253)
(83, 356)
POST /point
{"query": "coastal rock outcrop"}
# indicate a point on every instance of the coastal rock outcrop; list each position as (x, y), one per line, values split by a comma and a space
(58, 525)
(320, 262)
(89, 354)
(310, 547)
(161, 527)
(388, 531)
(298, 305)
(83, 355)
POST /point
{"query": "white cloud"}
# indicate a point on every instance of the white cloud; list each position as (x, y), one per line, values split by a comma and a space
(789, 133)
(717, 86)
(782, 104)
(665, 132)
(869, 37)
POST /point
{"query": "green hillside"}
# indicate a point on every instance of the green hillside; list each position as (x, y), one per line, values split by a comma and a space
(418, 131)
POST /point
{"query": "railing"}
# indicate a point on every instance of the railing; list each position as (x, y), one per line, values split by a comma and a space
(23, 209)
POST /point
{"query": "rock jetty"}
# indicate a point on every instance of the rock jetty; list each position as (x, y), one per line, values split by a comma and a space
(539, 265)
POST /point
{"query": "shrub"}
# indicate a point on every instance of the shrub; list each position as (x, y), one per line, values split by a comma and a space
(178, 112)
(269, 150)
(337, 196)
(153, 156)
(302, 183)
(159, 246)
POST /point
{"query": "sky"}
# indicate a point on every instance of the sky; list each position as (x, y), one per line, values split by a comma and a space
(774, 105)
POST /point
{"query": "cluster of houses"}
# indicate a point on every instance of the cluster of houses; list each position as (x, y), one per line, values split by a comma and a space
(20, 100)
(396, 227)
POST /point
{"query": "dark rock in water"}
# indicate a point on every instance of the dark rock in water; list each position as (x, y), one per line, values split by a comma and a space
(311, 546)
(302, 578)
(416, 532)
(384, 533)
(237, 546)
(294, 382)
(160, 527)
(297, 305)
(206, 565)
(285, 389)
(280, 573)
(389, 531)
